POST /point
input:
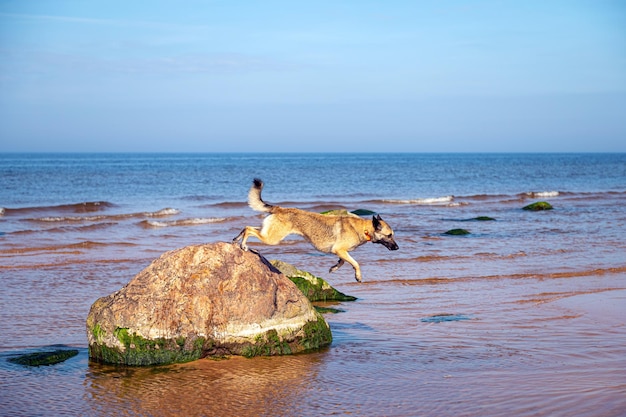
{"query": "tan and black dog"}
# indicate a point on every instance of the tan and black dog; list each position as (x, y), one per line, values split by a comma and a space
(336, 234)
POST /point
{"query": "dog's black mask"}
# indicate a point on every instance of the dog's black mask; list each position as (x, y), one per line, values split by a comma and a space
(383, 233)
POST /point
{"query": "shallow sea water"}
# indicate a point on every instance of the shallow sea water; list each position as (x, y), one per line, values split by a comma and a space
(541, 295)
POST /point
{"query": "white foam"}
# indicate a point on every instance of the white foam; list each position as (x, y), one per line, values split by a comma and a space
(424, 201)
(543, 194)
(157, 224)
(2, 211)
(201, 220)
(186, 222)
(163, 212)
(70, 219)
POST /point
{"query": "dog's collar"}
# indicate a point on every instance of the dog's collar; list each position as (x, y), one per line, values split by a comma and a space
(367, 235)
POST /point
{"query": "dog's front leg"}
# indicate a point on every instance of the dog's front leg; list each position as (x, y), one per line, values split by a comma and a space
(345, 256)
(336, 266)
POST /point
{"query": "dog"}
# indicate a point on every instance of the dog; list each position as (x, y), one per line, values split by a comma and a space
(336, 234)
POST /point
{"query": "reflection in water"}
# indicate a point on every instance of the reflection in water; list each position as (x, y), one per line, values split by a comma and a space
(236, 386)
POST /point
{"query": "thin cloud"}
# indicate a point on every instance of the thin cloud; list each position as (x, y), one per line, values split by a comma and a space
(29, 63)
(94, 21)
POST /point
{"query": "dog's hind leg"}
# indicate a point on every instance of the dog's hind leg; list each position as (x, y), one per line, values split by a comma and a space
(345, 256)
(245, 234)
(239, 236)
(336, 266)
(269, 234)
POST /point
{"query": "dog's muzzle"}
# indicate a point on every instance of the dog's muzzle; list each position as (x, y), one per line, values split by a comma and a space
(391, 245)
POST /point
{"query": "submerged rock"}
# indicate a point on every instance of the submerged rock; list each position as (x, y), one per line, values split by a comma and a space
(457, 232)
(338, 212)
(329, 310)
(440, 318)
(315, 288)
(204, 300)
(44, 358)
(363, 212)
(344, 212)
(538, 206)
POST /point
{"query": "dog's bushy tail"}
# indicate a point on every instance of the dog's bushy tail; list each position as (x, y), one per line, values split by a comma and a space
(254, 197)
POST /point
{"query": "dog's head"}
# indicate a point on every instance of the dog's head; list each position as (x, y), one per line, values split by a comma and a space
(383, 233)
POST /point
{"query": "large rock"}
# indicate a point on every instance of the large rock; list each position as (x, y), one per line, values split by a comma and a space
(204, 300)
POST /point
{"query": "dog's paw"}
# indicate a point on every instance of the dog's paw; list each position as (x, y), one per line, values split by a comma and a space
(336, 266)
(242, 245)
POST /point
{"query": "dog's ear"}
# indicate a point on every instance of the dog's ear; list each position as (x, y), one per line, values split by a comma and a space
(376, 221)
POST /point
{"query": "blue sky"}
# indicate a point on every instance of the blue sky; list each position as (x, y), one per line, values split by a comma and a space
(367, 76)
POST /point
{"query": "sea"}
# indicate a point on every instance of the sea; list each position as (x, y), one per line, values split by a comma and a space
(523, 316)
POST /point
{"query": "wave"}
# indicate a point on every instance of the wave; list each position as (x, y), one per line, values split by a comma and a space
(226, 204)
(162, 212)
(65, 229)
(510, 197)
(69, 219)
(518, 276)
(65, 262)
(85, 207)
(88, 244)
(447, 200)
(197, 198)
(459, 200)
(423, 201)
(542, 194)
(182, 222)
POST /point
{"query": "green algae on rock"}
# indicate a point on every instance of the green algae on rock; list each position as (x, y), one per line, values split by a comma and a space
(141, 351)
(204, 300)
(328, 310)
(44, 358)
(314, 334)
(538, 206)
(363, 212)
(337, 212)
(314, 288)
(344, 212)
(457, 232)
